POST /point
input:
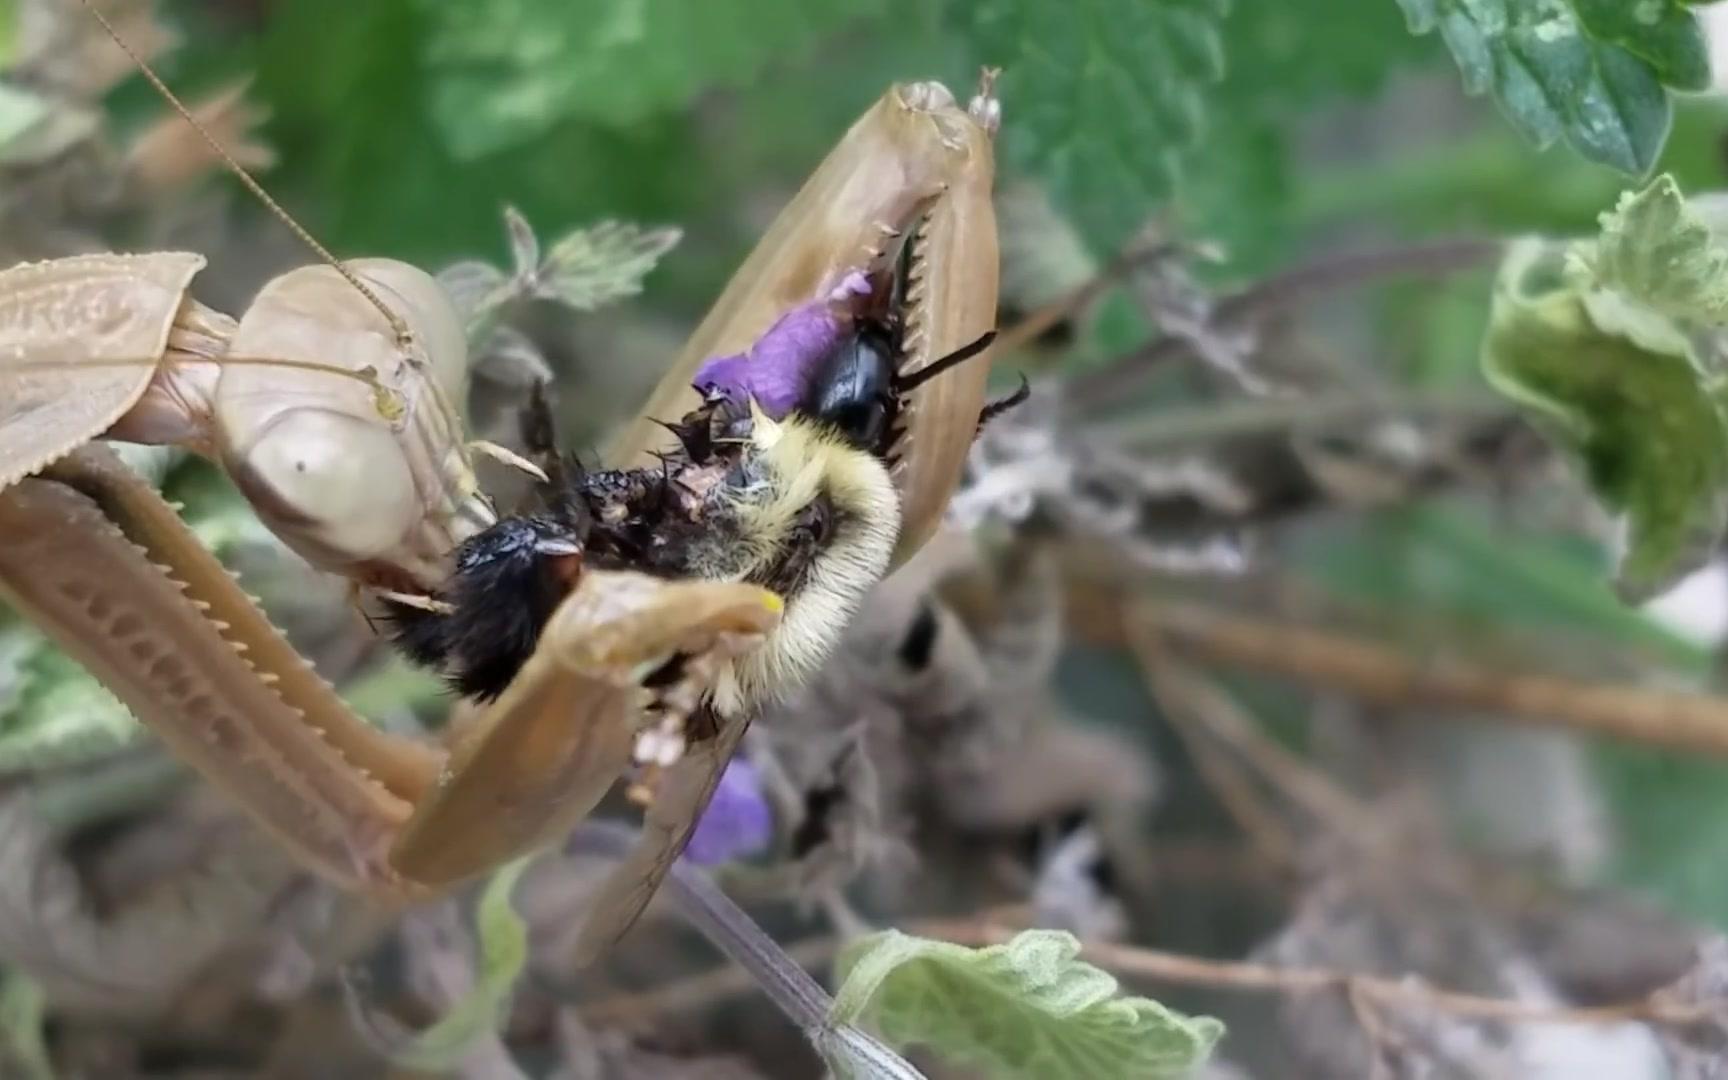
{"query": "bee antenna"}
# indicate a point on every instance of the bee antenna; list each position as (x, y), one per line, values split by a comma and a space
(404, 337)
(907, 383)
(997, 408)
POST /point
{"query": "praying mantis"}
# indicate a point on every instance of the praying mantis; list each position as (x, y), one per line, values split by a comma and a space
(332, 404)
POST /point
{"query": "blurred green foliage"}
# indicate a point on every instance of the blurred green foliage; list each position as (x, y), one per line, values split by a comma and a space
(421, 118)
(502, 947)
(8, 29)
(1113, 98)
(1462, 571)
(1595, 72)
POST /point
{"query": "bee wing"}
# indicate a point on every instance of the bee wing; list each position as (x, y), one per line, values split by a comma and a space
(540, 758)
(80, 340)
(679, 800)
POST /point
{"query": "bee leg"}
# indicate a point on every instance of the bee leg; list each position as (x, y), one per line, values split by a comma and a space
(509, 457)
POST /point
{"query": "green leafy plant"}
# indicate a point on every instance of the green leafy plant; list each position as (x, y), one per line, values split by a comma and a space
(1601, 340)
(585, 269)
(20, 110)
(1028, 1008)
(8, 32)
(57, 713)
(503, 948)
(1107, 98)
(1657, 251)
(22, 1046)
(512, 70)
(1594, 72)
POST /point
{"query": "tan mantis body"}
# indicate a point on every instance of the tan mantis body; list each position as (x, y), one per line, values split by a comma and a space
(329, 405)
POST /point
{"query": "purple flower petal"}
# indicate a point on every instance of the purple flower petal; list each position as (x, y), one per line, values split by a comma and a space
(777, 368)
(737, 823)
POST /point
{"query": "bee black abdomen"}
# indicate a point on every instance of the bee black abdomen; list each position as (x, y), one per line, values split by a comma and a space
(423, 635)
(504, 590)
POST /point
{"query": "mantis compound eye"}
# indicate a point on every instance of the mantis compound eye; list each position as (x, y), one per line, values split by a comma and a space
(337, 485)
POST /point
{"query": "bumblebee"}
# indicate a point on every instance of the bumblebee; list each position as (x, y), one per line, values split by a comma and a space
(780, 478)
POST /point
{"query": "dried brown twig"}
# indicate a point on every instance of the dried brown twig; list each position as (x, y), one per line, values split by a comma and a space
(1266, 829)
(1076, 300)
(1384, 675)
(1278, 293)
(1155, 965)
(1191, 693)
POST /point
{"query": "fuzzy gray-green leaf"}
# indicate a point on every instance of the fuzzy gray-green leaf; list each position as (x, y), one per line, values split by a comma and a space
(1656, 251)
(1028, 1008)
(604, 263)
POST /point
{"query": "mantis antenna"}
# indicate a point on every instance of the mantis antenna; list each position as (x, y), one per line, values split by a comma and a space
(404, 337)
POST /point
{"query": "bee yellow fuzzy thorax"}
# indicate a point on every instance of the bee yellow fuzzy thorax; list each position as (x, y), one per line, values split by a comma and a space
(795, 462)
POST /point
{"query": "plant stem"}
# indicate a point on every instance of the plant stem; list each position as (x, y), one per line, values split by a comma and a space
(1374, 671)
(735, 933)
(1116, 381)
(1186, 427)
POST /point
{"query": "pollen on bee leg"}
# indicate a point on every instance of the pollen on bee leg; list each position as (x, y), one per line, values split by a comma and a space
(641, 792)
(661, 745)
(657, 750)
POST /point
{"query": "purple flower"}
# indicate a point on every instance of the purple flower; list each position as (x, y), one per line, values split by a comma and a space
(737, 823)
(777, 368)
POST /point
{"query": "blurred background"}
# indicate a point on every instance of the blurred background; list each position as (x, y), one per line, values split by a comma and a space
(1264, 632)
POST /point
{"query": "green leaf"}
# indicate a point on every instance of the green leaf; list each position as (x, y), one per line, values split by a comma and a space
(1620, 386)
(1238, 183)
(510, 69)
(1467, 573)
(1104, 98)
(1667, 810)
(602, 264)
(20, 110)
(586, 269)
(503, 951)
(1028, 1008)
(8, 33)
(22, 1045)
(1656, 251)
(1662, 33)
(1574, 68)
(56, 714)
